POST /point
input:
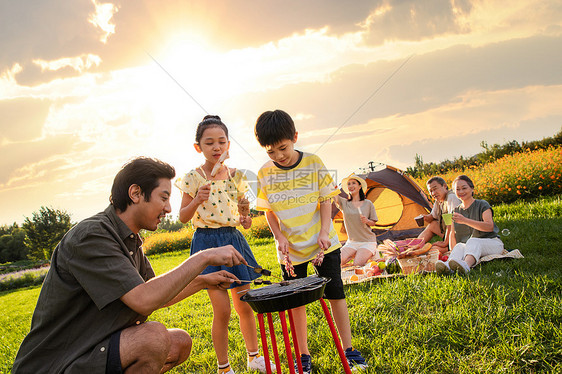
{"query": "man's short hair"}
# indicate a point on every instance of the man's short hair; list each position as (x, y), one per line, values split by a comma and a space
(439, 180)
(273, 127)
(142, 171)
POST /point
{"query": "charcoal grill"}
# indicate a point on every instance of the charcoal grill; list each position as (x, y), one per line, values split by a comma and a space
(284, 296)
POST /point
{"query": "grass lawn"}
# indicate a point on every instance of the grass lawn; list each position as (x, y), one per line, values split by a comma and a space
(504, 317)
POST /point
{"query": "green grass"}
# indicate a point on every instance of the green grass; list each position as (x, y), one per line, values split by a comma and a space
(505, 317)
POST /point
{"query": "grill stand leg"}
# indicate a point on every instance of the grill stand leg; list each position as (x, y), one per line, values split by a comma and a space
(335, 336)
(273, 343)
(287, 341)
(295, 341)
(264, 343)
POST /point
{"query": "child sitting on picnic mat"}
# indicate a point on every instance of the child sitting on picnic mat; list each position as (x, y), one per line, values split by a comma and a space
(213, 198)
(294, 189)
(358, 216)
(475, 235)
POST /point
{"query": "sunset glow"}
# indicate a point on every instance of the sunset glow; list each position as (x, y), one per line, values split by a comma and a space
(87, 85)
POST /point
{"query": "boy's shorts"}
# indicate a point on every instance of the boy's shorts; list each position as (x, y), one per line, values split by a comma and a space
(330, 268)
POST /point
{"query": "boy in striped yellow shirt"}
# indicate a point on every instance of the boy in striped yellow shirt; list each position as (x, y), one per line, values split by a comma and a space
(294, 190)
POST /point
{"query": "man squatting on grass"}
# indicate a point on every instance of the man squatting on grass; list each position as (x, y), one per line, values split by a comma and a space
(445, 202)
(91, 312)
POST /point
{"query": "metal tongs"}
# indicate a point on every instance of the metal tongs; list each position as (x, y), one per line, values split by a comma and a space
(258, 270)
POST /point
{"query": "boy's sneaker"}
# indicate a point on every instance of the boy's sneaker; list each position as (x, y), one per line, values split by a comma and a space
(459, 266)
(442, 268)
(355, 360)
(306, 362)
(257, 362)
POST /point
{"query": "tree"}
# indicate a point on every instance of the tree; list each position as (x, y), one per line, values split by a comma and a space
(44, 230)
(12, 243)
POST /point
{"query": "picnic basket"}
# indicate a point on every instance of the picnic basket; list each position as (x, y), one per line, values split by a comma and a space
(421, 263)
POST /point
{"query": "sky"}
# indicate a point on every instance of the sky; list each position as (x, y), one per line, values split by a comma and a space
(87, 85)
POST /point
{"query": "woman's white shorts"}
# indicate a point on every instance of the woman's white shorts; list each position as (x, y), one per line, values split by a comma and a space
(370, 246)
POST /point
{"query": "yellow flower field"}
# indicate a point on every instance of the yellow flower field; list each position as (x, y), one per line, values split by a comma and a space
(526, 174)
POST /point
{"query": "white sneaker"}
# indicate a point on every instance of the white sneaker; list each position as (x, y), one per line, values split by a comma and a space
(258, 363)
(459, 266)
(442, 268)
(226, 370)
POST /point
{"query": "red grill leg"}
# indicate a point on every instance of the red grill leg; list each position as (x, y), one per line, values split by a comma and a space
(335, 336)
(264, 343)
(273, 343)
(295, 341)
(287, 341)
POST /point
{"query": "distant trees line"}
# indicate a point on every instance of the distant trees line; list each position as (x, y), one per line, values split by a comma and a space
(489, 154)
(36, 238)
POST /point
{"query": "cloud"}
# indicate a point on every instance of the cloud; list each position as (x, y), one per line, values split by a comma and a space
(449, 131)
(415, 20)
(19, 161)
(49, 31)
(447, 146)
(427, 81)
(479, 68)
(81, 187)
(274, 20)
(22, 119)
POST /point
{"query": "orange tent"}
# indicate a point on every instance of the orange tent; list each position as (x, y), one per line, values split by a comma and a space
(397, 199)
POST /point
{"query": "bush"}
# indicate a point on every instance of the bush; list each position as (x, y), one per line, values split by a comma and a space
(165, 242)
(23, 278)
(523, 175)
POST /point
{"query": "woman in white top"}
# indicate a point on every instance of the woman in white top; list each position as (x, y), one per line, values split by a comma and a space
(358, 216)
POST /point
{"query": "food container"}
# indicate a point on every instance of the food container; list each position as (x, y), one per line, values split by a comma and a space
(421, 263)
(286, 295)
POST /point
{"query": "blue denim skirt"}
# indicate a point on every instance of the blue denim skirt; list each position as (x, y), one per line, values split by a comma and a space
(212, 238)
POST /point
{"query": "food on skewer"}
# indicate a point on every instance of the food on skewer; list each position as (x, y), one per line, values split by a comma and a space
(265, 272)
(219, 163)
(243, 206)
(289, 266)
(319, 259)
(260, 270)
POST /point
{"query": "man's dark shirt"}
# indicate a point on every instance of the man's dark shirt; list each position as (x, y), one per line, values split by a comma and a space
(79, 307)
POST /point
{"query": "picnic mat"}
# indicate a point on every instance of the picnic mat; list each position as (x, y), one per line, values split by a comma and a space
(515, 253)
(348, 271)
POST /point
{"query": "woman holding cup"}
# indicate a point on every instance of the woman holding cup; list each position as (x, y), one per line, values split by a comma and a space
(475, 233)
(358, 216)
